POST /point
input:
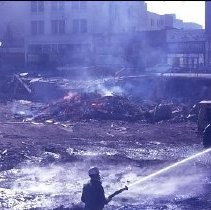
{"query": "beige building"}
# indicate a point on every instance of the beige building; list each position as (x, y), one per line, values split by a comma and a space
(71, 27)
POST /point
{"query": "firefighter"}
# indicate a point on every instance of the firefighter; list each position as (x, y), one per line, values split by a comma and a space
(93, 193)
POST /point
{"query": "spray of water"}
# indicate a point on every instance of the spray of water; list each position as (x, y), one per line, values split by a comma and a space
(168, 168)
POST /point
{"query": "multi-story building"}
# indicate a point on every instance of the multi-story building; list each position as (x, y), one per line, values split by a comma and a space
(88, 32)
(66, 32)
(58, 28)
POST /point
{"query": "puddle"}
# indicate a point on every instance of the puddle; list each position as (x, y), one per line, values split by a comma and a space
(49, 187)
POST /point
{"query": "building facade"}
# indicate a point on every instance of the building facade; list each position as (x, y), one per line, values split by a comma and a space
(68, 32)
(208, 32)
(115, 33)
(186, 49)
(159, 22)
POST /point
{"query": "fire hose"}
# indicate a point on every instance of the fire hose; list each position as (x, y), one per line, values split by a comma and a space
(117, 192)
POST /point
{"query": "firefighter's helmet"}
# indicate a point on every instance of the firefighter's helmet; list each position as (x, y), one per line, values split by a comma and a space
(94, 171)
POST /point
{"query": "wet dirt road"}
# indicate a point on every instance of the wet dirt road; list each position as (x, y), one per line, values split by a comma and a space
(44, 166)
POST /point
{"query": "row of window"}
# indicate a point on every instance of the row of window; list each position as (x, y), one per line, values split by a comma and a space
(58, 26)
(187, 47)
(159, 22)
(186, 61)
(38, 6)
(57, 48)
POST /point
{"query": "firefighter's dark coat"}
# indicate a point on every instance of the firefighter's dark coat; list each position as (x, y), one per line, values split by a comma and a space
(93, 195)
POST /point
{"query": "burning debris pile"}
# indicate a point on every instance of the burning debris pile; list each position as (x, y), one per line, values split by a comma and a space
(83, 106)
(76, 106)
(103, 100)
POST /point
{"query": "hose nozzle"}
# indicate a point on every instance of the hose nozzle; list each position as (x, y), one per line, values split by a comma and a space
(125, 188)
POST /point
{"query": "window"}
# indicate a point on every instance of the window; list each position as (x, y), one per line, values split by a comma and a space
(79, 5)
(152, 22)
(79, 26)
(76, 26)
(113, 11)
(159, 22)
(35, 48)
(83, 26)
(131, 12)
(57, 5)
(83, 5)
(62, 48)
(40, 6)
(46, 48)
(33, 6)
(37, 6)
(58, 26)
(37, 27)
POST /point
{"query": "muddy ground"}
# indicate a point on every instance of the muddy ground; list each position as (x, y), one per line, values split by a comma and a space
(44, 165)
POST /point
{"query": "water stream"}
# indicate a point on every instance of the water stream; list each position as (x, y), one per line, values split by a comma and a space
(169, 167)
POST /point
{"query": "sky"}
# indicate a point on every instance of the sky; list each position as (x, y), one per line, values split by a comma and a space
(188, 11)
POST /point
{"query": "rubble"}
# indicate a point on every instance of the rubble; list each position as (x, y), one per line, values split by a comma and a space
(92, 127)
(20, 83)
(97, 103)
(100, 102)
(48, 147)
(162, 112)
(90, 106)
(77, 106)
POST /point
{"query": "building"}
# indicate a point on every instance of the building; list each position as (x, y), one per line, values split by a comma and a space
(186, 49)
(58, 30)
(208, 18)
(159, 22)
(190, 25)
(111, 33)
(168, 21)
(208, 33)
(12, 24)
(67, 32)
